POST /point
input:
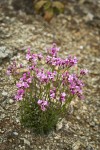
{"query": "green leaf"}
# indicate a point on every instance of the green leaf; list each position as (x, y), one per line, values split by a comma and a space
(47, 5)
(58, 5)
(40, 4)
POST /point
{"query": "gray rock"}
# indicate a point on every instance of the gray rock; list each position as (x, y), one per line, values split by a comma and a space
(89, 148)
(15, 133)
(59, 125)
(4, 93)
(2, 116)
(77, 145)
(2, 52)
(11, 101)
(6, 53)
(26, 141)
(89, 17)
(1, 109)
(0, 68)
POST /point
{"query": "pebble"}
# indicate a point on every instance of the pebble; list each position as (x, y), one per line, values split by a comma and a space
(66, 127)
(2, 116)
(1, 109)
(57, 137)
(78, 118)
(4, 93)
(17, 120)
(11, 101)
(25, 141)
(77, 145)
(89, 17)
(59, 126)
(1, 131)
(0, 68)
(81, 47)
(15, 133)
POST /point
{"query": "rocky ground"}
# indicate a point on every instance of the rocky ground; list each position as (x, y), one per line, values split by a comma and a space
(77, 32)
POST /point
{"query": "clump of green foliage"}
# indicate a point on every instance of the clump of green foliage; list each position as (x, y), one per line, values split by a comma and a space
(49, 8)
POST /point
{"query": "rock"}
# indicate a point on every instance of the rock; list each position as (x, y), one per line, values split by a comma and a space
(15, 133)
(2, 53)
(57, 137)
(89, 17)
(64, 21)
(4, 93)
(0, 68)
(81, 47)
(39, 147)
(1, 109)
(78, 118)
(59, 125)
(17, 120)
(26, 141)
(66, 127)
(77, 145)
(11, 101)
(89, 148)
(6, 53)
(2, 116)
(2, 131)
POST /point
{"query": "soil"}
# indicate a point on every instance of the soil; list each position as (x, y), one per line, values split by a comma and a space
(77, 32)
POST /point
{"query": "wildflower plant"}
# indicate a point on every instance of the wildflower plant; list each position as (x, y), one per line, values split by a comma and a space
(46, 88)
(48, 8)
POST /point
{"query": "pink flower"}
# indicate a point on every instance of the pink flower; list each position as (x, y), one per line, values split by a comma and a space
(28, 55)
(75, 85)
(21, 66)
(34, 58)
(48, 59)
(23, 77)
(22, 84)
(8, 72)
(53, 50)
(19, 85)
(51, 75)
(42, 76)
(29, 80)
(53, 93)
(25, 84)
(39, 56)
(84, 72)
(12, 69)
(71, 61)
(43, 104)
(19, 95)
(56, 61)
(62, 97)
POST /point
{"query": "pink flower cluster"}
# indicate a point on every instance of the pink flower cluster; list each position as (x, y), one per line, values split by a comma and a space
(56, 61)
(84, 72)
(53, 50)
(53, 93)
(12, 68)
(33, 57)
(75, 85)
(23, 84)
(46, 77)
